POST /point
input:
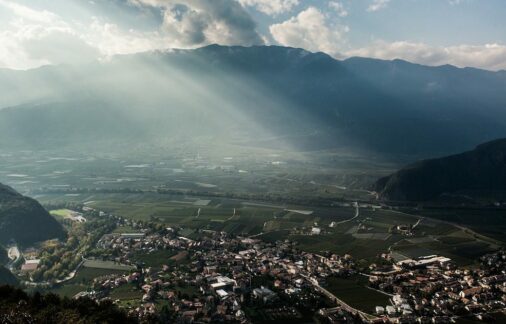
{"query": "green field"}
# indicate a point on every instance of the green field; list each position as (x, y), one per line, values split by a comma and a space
(365, 237)
(81, 282)
(61, 212)
(354, 292)
(126, 292)
(155, 259)
(490, 222)
(106, 265)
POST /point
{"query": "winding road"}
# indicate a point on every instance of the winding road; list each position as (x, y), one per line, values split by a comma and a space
(14, 255)
(357, 214)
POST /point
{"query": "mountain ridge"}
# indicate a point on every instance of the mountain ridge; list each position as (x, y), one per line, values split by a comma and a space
(311, 99)
(24, 220)
(481, 169)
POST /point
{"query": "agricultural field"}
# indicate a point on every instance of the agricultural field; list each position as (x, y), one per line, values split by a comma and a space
(62, 213)
(106, 265)
(82, 281)
(155, 259)
(126, 292)
(355, 293)
(490, 222)
(364, 236)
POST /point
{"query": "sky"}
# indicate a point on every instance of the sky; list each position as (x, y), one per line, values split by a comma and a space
(465, 33)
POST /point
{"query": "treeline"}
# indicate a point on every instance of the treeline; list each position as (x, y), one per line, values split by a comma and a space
(16, 306)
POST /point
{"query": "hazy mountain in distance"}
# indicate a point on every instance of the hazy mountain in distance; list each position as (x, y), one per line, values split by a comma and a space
(482, 170)
(259, 96)
(24, 220)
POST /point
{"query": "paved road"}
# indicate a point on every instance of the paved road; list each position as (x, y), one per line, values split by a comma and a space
(14, 255)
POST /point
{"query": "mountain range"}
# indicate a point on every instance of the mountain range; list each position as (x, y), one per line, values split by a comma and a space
(24, 220)
(253, 96)
(482, 170)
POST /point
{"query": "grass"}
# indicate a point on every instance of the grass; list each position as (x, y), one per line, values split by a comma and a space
(68, 290)
(354, 292)
(85, 275)
(489, 222)
(82, 281)
(452, 240)
(344, 244)
(155, 259)
(276, 223)
(125, 229)
(64, 213)
(126, 292)
(108, 265)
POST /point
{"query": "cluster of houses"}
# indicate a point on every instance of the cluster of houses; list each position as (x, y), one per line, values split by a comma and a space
(223, 278)
(432, 289)
(226, 276)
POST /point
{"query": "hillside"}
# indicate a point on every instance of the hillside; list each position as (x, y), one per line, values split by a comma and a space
(261, 96)
(3, 255)
(480, 170)
(25, 220)
(50, 308)
(6, 277)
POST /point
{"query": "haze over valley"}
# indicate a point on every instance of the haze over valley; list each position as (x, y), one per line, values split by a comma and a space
(250, 161)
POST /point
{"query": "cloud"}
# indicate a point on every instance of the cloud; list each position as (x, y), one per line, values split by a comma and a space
(110, 40)
(31, 38)
(271, 7)
(378, 5)
(338, 7)
(199, 22)
(27, 13)
(311, 30)
(34, 38)
(488, 56)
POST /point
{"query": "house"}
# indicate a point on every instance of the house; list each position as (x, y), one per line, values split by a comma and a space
(30, 265)
(222, 293)
(470, 292)
(264, 294)
(223, 283)
(390, 310)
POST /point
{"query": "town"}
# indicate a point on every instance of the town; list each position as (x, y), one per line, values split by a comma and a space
(213, 276)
